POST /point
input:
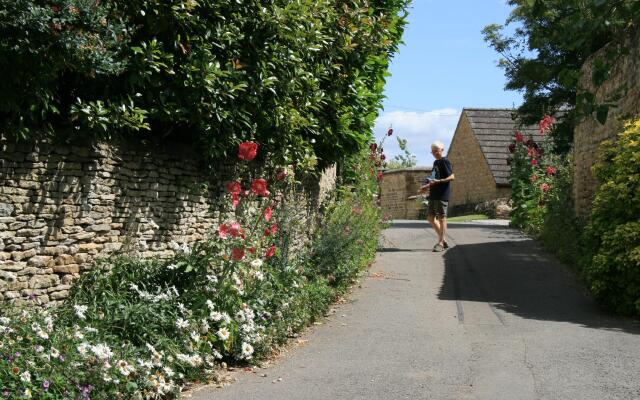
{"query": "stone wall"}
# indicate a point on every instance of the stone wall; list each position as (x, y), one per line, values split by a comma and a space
(398, 191)
(590, 133)
(474, 182)
(62, 207)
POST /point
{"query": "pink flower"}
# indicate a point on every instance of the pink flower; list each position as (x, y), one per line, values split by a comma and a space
(271, 251)
(267, 214)
(223, 230)
(545, 187)
(235, 199)
(373, 147)
(274, 229)
(551, 170)
(519, 136)
(534, 161)
(379, 176)
(247, 151)
(237, 253)
(235, 229)
(259, 187)
(533, 178)
(390, 132)
(545, 123)
(532, 152)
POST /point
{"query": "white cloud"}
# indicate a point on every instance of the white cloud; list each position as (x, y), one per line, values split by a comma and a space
(419, 128)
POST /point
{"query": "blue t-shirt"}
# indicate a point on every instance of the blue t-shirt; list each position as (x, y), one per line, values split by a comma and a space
(441, 169)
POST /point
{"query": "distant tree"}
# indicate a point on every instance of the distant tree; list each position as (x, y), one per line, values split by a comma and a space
(404, 160)
(544, 55)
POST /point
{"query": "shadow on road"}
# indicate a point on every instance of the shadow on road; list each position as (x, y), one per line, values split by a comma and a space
(518, 278)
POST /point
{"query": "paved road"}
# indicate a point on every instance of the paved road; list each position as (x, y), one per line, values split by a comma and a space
(493, 318)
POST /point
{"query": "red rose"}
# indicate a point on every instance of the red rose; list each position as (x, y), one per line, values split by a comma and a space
(223, 230)
(534, 161)
(533, 178)
(234, 187)
(267, 232)
(259, 187)
(252, 250)
(271, 251)
(247, 151)
(237, 253)
(545, 187)
(267, 214)
(551, 170)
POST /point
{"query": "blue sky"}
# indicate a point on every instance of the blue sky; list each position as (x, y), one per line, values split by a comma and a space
(444, 66)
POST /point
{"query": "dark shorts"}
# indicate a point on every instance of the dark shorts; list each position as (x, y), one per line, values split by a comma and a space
(437, 208)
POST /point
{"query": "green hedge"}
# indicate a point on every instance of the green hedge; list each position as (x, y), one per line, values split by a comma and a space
(612, 246)
(303, 78)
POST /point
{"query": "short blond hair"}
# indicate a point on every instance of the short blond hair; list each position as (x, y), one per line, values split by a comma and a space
(438, 145)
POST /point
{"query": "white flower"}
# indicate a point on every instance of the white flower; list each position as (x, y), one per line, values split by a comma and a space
(90, 329)
(102, 351)
(194, 360)
(215, 316)
(125, 368)
(247, 350)
(27, 393)
(258, 275)
(4, 320)
(240, 317)
(80, 311)
(25, 376)
(48, 321)
(171, 267)
(39, 349)
(182, 324)
(212, 278)
(194, 336)
(54, 352)
(42, 334)
(210, 305)
(223, 334)
(168, 371)
(257, 263)
(204, 328)
(78, 335)
(83, 348)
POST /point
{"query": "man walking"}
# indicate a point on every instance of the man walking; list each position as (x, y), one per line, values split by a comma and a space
(439, 191)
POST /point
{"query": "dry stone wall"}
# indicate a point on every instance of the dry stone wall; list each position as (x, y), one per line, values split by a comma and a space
(624, 80)
(64, 206)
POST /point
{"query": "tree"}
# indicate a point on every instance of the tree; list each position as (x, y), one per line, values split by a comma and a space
(404, 160)
(551, 42)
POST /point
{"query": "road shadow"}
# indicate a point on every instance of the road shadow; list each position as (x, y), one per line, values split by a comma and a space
(518, 277)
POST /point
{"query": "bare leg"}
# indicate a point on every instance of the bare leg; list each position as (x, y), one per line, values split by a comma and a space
(443, 229)
(437, 227)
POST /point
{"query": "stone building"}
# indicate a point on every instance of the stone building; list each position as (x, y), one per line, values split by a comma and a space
(479, 153)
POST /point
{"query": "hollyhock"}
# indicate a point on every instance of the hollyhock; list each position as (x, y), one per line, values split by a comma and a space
(545, 187)
(247, 151)
(532, 152)
(235, 229)
(252, 250)
(383, 157)
(545, 123)
(519, 136)
(534, 161)
(533, 178)
(373, 147)
(271, 251)
(274, 229)
(259, 187)
(237, 253)
(512, 148)
(234, 187)
(267, 214)
(551, 170)
(390, 132)
(281, 174)
(379, 176)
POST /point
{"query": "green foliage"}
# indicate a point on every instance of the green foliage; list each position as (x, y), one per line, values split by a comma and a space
(612, 262)
(551, 42)
(303, 78)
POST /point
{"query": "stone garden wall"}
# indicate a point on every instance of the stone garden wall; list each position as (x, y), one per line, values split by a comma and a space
(398, 190)
(64, 206)
(622, 90)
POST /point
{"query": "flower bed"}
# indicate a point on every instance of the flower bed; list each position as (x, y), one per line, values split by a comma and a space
(136, 329)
